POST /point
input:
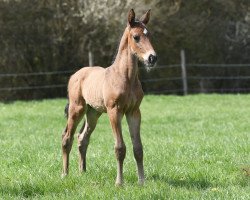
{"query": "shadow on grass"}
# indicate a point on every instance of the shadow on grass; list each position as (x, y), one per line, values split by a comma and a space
(27, 190)
(199, 183)
(24, 191)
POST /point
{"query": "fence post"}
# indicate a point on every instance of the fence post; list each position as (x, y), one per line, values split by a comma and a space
(184, 72)
(90, 58)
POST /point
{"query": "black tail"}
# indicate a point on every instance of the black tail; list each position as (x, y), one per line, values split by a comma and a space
(66, 110)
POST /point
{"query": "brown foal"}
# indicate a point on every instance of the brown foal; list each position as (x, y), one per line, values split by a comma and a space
(115, 90)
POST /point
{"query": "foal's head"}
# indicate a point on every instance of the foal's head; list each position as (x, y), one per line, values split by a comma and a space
(138, 39)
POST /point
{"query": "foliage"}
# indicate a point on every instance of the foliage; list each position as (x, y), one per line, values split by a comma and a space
(196, 147)
(43, 35)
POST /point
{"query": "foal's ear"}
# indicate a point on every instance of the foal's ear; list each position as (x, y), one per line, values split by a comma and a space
(145, 18)
(131, 17)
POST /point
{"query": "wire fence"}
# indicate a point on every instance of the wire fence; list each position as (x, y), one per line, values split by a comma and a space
(33, 87)
(156, 84)
(35, 73)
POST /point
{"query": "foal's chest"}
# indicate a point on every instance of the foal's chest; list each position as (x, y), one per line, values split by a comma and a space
(122, 93)
(132, 99)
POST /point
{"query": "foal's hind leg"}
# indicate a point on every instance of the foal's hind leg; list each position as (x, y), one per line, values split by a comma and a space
(134, 122)
(75, 113)
(84, 136)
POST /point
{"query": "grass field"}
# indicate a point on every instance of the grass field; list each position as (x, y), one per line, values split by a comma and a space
(195, 147)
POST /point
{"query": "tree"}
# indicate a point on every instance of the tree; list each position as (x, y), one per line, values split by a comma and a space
(43, 35)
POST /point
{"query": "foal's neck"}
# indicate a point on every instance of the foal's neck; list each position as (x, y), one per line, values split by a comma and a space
(126, 64)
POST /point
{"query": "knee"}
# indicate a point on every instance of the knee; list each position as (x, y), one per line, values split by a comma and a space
(120, 151)
(138, 152)
(67, 143)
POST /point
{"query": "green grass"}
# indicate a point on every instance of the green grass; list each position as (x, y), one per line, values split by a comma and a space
(195, 147)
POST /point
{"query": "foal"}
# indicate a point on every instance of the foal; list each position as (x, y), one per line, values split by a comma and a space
(115, 90)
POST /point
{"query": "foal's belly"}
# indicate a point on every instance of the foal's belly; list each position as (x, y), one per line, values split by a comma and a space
(92, 90)
(97, 103)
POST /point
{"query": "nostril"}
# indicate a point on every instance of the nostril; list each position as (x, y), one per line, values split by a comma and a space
(152, 59)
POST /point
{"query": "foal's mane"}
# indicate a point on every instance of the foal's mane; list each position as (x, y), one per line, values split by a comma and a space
(117, 48)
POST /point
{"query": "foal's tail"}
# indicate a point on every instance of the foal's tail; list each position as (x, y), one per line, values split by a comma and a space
(66, 110)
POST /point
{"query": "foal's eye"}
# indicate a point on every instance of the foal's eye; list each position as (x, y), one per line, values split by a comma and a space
(136, 38)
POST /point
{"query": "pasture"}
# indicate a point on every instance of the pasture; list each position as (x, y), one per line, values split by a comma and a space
(195, 147)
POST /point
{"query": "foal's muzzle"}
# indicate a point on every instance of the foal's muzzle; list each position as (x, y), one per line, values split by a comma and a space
(150, 60)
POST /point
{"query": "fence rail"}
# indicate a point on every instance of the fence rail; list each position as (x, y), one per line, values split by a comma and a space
(218, 65)
(35, 73)
(33, 87)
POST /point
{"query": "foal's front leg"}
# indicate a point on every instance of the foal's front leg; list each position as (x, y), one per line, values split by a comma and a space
(115, 118)
(134, 122)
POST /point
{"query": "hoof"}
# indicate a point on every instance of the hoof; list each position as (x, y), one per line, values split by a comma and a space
(141, 182)
(118, 184)
(82, 171)
(64, 175)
